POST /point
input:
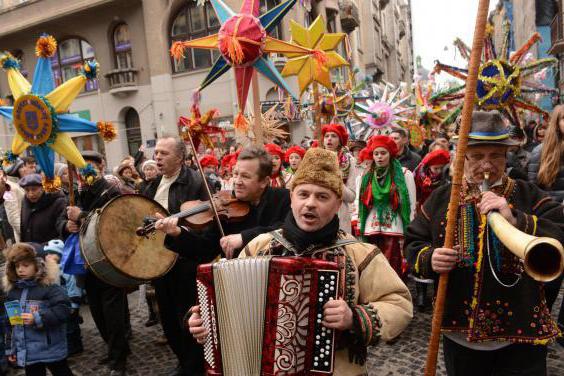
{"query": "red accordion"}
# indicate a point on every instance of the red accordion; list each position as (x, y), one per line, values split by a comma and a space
(264, 315)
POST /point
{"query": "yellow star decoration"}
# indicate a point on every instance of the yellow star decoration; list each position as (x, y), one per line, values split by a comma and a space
(314, 67)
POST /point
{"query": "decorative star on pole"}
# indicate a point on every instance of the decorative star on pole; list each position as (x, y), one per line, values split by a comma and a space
(505, 80)
(314, 67)
(242, 42)
(40, 110)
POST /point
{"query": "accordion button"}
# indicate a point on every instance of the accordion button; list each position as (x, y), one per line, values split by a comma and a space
(322, 278)
(327, 364)
(315, 364)
(317, 336)
(320, 300)
(332, 277)
(322, 356)
(317, 343)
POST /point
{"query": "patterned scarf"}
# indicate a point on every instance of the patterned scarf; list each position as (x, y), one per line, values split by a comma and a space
(389, 199)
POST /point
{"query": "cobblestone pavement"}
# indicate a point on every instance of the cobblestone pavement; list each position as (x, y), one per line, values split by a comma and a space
(406, 356)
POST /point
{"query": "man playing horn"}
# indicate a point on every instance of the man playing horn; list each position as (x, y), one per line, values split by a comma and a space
(496, 320)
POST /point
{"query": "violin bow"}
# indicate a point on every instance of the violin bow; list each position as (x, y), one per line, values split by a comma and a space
(212, 203)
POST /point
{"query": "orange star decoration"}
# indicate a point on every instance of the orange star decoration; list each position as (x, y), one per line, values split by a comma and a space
(314, 67)
(199, 127)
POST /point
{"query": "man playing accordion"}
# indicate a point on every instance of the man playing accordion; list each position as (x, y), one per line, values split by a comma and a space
(374, 303)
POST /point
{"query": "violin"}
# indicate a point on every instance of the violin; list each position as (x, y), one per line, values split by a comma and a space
(199, 214)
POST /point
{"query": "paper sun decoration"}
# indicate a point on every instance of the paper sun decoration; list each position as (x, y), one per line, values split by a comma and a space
(314, 67)
(40, 110)
(504, 79)
(242, 42)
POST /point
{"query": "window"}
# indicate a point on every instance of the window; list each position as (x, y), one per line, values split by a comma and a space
(122, 47)
(266, 5)
(133, 131)
(190, 23)
(69, 60)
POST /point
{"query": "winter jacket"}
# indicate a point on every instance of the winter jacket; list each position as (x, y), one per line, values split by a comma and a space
(38, 219)
(409, 159)
(380, 301)
(13, 199)
(188, 186)
(44, 341)
(556, 191)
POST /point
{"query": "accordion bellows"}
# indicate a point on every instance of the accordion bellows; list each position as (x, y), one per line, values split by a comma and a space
(264, 315)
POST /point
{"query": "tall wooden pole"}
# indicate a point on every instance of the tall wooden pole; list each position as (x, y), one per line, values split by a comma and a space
(317, 113)
(70, 169)
(452, 213)
(257, 126)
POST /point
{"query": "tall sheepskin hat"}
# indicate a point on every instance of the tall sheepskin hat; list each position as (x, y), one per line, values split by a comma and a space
(320, 167)
(22, 252)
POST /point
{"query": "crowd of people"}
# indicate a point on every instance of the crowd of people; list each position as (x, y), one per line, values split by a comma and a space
(376, 207)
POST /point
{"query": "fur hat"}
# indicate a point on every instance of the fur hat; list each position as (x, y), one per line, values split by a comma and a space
(24, 252)
(148, 163)
(339, 129)
(320, 167)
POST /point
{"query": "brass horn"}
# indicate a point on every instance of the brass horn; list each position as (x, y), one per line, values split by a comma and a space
(542, 257)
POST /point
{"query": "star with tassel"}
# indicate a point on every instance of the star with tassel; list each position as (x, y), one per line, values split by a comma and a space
(316, 66)
(243, 41)
(39, 113)
(504, 79)
(199, 127)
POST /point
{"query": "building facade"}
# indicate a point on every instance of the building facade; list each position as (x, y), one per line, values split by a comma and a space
(143, 91)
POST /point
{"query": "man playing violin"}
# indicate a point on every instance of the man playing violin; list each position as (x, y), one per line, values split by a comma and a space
(496, 319)
(176, 291)
(268, 208)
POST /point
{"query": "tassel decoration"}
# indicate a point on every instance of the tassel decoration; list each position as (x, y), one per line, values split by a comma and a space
(51, 185)
(234, 48)
(9, 62)
(46, 46)
(88, 174)
(177, 50)
(106, 130)
(241, 123)
(90, 69)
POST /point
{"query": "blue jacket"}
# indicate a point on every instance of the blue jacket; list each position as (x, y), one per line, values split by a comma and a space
(45, 341)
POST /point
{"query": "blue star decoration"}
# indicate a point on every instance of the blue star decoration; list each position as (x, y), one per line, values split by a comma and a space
(40, 111)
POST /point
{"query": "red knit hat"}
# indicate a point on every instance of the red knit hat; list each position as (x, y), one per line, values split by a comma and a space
(365, 155)
(383, 142)
(339, 129)
(274, 149)
(209, 161)
(294, 150)
(436, 157)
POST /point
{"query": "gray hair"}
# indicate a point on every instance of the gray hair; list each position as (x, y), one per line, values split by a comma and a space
(179, 146)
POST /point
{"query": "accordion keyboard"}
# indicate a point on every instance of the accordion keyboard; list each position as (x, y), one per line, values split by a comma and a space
(323, 348)
(207, 313)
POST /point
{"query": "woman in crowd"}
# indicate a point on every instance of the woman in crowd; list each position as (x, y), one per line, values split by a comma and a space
(277, 179)
(293, 157)
(386, 201)
(335, 138)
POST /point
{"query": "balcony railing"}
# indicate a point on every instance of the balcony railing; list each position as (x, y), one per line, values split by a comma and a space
(122, 80)
(556, 35)
(350, 18)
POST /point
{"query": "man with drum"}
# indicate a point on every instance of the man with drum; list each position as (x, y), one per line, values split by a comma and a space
(108, 304)
(496, 320)
(374, 304)
(176, 291)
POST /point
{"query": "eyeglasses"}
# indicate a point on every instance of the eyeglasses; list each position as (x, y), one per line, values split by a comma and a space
(495, 157)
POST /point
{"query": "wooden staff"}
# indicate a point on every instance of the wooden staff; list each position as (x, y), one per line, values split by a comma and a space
(70, 168)
(257, 126)
(205, 182)
(317, 113)
(452, 213)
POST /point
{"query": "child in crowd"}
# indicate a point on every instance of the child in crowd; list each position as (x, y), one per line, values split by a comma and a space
(38, 324)
(54, 253)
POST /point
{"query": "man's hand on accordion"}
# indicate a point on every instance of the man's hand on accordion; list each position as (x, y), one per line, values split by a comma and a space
(197, 329)
(337, 315)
